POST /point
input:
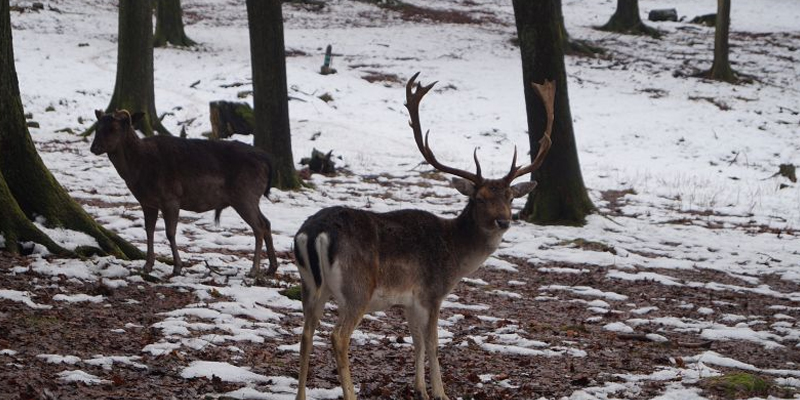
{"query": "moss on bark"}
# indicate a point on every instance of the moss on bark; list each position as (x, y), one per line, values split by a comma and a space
(27, 188)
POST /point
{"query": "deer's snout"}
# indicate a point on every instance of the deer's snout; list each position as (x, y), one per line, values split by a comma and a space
(96, 149)
(502, 223)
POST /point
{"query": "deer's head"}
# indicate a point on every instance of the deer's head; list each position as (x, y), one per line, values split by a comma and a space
(111, 128)
(489, 199)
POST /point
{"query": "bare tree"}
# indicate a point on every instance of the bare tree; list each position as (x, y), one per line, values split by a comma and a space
(562, 196)
(133, 89)
(270, 95)
(721, 68)
(169, 25)
(626, 19)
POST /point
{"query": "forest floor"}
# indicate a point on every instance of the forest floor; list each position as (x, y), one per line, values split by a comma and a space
(685, 284)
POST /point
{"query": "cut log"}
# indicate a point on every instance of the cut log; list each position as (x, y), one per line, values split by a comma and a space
(707, 20)
(666, 14)
(228, 118)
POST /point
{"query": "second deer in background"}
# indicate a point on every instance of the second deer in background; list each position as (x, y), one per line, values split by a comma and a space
(370, 261)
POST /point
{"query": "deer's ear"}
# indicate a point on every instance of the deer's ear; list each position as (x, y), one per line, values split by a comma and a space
(521, 189)
(136, 117)
(464, 186)
(99, 114)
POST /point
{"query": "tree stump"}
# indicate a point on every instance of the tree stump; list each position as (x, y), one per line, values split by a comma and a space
(228, 118)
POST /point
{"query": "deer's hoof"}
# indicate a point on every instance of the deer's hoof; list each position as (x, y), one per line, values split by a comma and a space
(420, 395)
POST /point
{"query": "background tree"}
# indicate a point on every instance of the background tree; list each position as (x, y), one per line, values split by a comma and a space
(27, 189)
(572, 45)
(270, 96)
(133, 89)
(721, 68)
(561, 196)
(169, 25)
(626, 20)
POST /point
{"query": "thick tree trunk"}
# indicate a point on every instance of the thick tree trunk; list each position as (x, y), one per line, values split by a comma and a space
(721, 68)
(626, 19)
(270, 96)
(27, 189)
(169, 25)
(560, 197)
(133, 89)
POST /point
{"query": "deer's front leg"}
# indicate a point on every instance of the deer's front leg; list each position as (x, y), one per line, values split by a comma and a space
(417, 317)
(150, 218)
(432, 347)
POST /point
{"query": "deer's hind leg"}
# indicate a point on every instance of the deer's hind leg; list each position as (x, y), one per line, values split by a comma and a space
(313, 306)
(349, 318)
(171, 224)
(251, 214)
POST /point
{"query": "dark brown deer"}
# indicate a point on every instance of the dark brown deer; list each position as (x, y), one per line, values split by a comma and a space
(172, 174)
(370, 261)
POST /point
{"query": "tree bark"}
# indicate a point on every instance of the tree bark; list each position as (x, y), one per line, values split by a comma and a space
(270, 96)
(721, 68)
(560, 197)
(626, 19)
(133, 89)
(169, 25)
(27, 189)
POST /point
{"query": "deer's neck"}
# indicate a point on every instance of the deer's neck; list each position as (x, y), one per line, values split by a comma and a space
(477, 244)
(125, 157)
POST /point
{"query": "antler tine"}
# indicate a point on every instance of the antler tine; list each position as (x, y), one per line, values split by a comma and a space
(514, 167)
(547, 92)
(413, 98)
(477, 163)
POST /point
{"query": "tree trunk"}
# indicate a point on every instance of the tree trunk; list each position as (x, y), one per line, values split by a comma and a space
(560, 197)
(169, 25)
(27, 189)
(270, 96)
(133, 90)
(575, 46)
(626, 20)
(721, 68)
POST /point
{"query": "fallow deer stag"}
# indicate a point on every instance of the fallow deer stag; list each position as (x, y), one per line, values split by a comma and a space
(370, 261)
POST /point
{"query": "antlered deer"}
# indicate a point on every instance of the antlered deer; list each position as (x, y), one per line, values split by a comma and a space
(172, 174)
(370, 261)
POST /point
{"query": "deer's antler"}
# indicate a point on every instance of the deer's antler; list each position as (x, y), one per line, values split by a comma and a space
(547, 92)
(413, 98)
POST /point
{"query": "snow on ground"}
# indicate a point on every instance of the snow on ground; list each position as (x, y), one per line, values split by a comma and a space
(692, 162)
